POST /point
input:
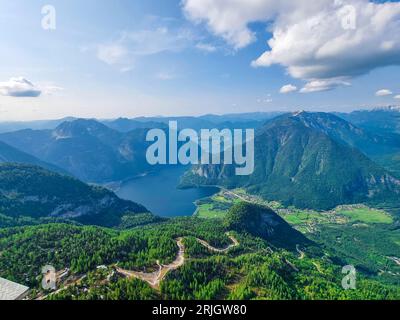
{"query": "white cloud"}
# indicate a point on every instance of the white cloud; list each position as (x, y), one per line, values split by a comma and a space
(267, 100)
(319, 47)
(157, 40)
(383, 93)
(165, 76)
(288, 89)
(112, 53)
(397, 97)
(323, 85)
(314, 40)
(206, 47)
(130, 46)
(50, 89)
(19, 87)
(231, 19)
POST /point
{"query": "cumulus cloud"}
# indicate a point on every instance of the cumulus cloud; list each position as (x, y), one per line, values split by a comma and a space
(320, 46)
(383, 93)
(19, 87)
(323, 85)
(397, 97)
(316, 41)
(231, 19)
(288, 89)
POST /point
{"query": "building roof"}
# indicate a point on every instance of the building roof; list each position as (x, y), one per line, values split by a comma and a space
(11, 291)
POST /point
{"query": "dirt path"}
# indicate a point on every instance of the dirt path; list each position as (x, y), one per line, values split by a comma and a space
(234, 244)
(154, 278)
(65, 287)
(318, 267)
(301, 253)
(236, 195)
(395, 260)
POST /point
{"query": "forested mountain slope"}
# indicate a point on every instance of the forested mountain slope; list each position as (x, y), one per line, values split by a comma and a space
(34, 192)
(87, 149)
(299, 164)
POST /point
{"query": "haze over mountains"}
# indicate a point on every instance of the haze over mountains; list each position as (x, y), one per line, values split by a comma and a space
(10, 154)
(313, 160)
(96, 151)
(385, 119)
(86, 148)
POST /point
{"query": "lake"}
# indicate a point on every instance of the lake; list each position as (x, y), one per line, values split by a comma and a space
(158, 192)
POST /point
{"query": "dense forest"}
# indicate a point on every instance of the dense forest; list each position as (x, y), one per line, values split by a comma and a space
(33, 195)
(256, 269)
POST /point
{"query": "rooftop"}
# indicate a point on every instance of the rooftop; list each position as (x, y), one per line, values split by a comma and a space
(12, 291)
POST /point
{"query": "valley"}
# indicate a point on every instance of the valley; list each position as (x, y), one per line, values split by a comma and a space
(364, 236)
(317, 201)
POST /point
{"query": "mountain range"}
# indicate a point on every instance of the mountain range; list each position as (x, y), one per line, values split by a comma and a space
(128, 124)
(384, 119)
(381, 122)
(313, 160)
(87, 149)
(11, 154)
(308, 160)
(107, 151)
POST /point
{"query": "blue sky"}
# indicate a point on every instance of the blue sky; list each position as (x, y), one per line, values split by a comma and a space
(131, 58)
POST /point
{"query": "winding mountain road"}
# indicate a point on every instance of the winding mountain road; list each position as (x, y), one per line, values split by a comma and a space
(154, 278)
(235, 243)
(301, 253)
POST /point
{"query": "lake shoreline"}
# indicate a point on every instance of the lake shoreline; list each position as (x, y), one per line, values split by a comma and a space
(159, 192)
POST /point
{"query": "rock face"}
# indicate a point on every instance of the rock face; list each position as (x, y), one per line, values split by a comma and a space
(299, 162)
(30, 191)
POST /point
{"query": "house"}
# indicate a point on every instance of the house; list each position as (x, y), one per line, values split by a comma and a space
(12, 291)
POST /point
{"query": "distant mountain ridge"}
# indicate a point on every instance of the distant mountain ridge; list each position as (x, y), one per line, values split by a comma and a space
(383, 122)
(345, 132)
(10, 126)
(128, 124)
(10, 154)
(88, 149)
(385, 119)
(109, 150)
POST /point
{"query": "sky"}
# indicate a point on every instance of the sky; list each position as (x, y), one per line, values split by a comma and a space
(129, 58)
